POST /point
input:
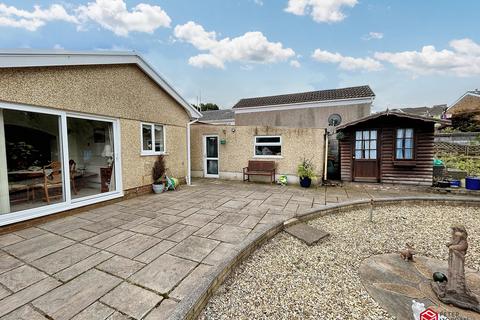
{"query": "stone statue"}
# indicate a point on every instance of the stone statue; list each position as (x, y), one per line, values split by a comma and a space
(454, 290)
(407, 253)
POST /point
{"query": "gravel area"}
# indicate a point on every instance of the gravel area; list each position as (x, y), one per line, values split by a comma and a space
(285, 279)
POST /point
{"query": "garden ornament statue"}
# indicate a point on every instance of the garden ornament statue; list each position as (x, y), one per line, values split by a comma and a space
(454, 291)
(407, 253)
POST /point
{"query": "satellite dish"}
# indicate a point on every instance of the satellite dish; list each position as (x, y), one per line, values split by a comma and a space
(334, 120)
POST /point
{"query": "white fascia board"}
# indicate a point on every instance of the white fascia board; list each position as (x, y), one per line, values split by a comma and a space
(218, 121)
(304, 105)
(463, 96)
(45, 58)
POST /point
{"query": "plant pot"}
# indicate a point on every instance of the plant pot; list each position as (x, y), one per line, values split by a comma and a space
(443, 184)
(158, 188)
(455, 183)
(305, 182)
(472, 183)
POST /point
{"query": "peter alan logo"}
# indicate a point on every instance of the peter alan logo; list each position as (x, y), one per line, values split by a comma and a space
(429, 314)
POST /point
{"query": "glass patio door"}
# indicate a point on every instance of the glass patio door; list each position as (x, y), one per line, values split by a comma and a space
(211, 157)
(91, 151)
(31, 162)
(51, 161)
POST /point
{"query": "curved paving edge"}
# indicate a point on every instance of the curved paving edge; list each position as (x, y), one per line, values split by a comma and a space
(195, 302)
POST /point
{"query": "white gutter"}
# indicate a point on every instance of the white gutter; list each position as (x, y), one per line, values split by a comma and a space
(189, 160)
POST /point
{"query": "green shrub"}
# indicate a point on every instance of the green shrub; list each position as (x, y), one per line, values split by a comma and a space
(306, 169)
(465, 163)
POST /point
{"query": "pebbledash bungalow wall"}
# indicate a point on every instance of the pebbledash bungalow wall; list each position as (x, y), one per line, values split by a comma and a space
(297, 143)
(121, 91)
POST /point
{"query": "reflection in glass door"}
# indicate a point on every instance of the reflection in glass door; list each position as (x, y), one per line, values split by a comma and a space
(211, 157)
(91, 157)
(30, 160)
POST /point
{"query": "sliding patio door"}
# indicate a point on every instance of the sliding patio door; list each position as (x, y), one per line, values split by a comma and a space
(33, 158)
(51, 160)
(91, 151)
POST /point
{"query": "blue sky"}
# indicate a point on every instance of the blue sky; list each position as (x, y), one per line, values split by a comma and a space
(412, 53)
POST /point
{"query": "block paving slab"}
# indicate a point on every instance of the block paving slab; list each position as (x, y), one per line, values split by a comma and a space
(139, 258)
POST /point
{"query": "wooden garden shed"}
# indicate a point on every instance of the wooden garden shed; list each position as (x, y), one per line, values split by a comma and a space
(388, 147)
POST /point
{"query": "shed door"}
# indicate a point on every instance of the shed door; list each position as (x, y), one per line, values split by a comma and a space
(365, 156)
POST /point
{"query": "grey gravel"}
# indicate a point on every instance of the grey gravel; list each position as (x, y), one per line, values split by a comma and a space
(286, 279)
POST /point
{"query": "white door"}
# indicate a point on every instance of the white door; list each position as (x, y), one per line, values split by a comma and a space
(210, 156)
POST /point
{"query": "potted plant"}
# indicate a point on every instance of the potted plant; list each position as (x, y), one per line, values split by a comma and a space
(158, 175)
(306, 172)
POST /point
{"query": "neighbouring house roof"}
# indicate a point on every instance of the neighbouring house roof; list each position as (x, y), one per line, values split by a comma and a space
(306, 97)
(218, 115)
(435, 111)
(473, 93)
(390, 113)
(47, 58)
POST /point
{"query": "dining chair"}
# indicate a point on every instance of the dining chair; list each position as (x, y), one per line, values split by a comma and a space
(52, 179)
(73, 172)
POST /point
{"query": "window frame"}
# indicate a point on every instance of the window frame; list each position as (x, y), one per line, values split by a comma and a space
(255, 144)
(363, 149)
(152, 152)
(413, 148)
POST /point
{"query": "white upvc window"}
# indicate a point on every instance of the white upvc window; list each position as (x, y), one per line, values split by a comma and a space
(267, 147)
(152, 139)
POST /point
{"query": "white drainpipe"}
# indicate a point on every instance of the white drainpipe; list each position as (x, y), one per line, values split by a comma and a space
(325, 168)
(189, 160)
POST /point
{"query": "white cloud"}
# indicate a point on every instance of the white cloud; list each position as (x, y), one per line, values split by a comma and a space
(347, 63)
(320, 10)
(295, 63)
(32, 20)
(373, 35)
(463, 60)
(258, 2)
(113, 15)
(252, 47)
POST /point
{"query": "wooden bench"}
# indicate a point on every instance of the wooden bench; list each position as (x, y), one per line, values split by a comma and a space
(259, 168)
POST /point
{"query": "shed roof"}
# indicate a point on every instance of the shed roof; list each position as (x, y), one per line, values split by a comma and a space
(312, 96)
(389, 113)
(47, 58)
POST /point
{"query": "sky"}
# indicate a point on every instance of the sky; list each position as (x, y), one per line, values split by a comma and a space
(411, 53)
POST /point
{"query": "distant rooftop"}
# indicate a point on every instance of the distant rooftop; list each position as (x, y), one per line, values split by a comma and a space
(312, 96)
(434, 111)
(214, 115)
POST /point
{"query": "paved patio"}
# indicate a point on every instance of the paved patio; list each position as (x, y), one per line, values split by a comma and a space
(138, 258)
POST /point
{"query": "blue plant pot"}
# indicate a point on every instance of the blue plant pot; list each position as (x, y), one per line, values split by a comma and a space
(305, 182)
(455, 183)
(472, 183)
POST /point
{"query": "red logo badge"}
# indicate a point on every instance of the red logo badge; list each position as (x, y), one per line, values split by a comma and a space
(429, 314)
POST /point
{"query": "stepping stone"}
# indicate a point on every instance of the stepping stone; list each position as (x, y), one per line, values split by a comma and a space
(306, 233)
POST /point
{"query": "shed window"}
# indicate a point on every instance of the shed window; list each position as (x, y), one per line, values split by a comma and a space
(153, 139)
(404, 146)
(268, 146)
(366, 144)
